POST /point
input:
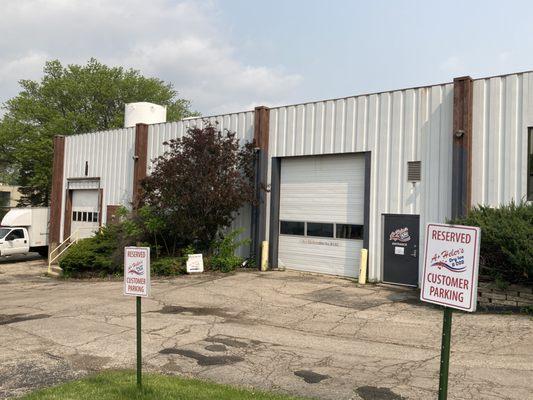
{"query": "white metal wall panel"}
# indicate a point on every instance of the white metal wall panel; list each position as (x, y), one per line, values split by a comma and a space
(322, 189)
(502, 113)
(109, 155)
(396, 127)
(240, 123)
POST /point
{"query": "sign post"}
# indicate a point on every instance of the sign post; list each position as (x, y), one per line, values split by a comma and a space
(451, 267)
(137, 283)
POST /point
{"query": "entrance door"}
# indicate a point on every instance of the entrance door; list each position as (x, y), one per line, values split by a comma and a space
(16, 242)
(400, 249)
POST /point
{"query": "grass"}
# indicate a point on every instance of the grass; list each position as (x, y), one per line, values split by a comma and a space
(118, 385)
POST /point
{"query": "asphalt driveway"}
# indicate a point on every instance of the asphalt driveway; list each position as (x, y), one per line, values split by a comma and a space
(310, 335)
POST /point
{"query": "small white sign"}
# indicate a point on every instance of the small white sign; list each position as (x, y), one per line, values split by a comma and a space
(451, 266)
(137, 271)
(399, 250)
(195, 263)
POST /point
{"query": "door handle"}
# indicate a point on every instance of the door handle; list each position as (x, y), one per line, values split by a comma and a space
(25, 241)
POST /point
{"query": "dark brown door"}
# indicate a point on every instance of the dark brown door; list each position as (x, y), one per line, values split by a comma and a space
(401, 249)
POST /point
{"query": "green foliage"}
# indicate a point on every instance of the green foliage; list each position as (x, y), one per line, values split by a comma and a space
(66, 101)
(120, 385)
(224, 258)
(92, 256)
(506, 241)
(168, 266)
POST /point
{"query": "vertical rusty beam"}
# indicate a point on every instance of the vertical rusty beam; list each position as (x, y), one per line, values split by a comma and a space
(67, 224)
(462, 146)
(261, 127)
(140, 157)
(56, 196)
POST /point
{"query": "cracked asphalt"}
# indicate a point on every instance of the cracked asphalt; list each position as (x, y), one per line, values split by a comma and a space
(316, 336)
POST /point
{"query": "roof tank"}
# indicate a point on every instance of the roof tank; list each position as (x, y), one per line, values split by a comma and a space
(145, 113)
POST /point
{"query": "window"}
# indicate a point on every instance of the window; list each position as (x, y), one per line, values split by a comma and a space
(530, 165)
(346, 231)
(15, 234)
(319, 229)
(292, 228)
(4, 199)
(4, 232)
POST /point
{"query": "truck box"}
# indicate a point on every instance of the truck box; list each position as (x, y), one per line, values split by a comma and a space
(34, 219)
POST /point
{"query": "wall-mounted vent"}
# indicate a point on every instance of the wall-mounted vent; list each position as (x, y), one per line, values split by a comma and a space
(413, 171)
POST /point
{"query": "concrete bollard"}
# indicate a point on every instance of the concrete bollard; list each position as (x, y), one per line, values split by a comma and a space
(264, 255)
(362, 266)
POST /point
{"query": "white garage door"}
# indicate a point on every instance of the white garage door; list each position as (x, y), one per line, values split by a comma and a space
(85, 212)
(322, 213)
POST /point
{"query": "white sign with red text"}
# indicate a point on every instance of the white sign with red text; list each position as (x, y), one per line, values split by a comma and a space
(137, 271)
(451, 264)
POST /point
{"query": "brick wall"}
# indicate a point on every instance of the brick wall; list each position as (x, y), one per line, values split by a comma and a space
(513, 296)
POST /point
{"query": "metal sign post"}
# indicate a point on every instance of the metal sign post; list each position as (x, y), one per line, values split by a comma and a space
(137, 283)
(139, 350)
(451, 264)
(445, 353)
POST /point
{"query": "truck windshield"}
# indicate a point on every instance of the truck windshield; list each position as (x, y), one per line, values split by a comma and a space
(4, 232)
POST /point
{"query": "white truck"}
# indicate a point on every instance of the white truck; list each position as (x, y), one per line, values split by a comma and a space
(23, 230)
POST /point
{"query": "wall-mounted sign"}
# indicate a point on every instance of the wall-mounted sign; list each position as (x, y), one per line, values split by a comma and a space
(195, 263)
(137, 271)
(451, 264)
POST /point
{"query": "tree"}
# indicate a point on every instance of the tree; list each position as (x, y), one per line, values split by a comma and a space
(66, 101)
(199, 184)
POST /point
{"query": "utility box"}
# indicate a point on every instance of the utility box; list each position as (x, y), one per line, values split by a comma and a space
(145, 113)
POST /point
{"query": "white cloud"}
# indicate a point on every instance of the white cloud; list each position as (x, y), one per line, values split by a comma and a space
(181, 42)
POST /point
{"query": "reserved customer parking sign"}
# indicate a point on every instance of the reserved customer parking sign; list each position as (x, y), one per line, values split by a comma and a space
(137, 271)
(451, 265)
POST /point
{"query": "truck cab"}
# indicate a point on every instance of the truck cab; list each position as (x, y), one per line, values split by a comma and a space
(14, 241)
(24, 230)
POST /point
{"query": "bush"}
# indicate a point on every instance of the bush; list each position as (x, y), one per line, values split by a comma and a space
(92, 255)
(506, 241)
(168, 266)
(223, 257)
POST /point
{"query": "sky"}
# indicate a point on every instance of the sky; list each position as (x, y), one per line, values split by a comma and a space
(232, 55)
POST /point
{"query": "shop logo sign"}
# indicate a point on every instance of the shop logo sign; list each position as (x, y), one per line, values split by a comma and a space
(136, 268)
(400, 235)
(452, 260)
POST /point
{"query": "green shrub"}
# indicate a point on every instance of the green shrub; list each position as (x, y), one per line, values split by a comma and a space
(223, 257)
(168, 266)
(89, 256)
(506, 241)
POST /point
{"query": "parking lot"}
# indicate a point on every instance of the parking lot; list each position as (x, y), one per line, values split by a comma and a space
(311, 335)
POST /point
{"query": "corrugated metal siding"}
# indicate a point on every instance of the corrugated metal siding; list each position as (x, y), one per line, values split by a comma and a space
(241, 123)
(502, 113)
(399, 126)
(110, 157)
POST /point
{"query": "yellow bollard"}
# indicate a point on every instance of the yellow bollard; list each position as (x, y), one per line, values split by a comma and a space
(362, 266)
(264, 255)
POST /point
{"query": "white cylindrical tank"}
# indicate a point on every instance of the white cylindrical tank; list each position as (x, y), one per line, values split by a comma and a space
(144, 112)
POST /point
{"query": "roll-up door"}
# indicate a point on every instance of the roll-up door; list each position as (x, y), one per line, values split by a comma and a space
(322, 213)
(85, 212)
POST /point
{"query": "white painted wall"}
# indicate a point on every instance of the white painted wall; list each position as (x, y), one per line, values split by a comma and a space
(502, 113)
(110, 157)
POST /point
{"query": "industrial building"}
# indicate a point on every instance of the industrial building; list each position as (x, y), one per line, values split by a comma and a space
(366, 171)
